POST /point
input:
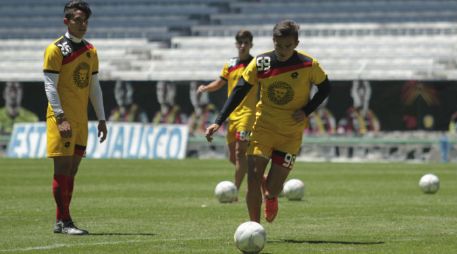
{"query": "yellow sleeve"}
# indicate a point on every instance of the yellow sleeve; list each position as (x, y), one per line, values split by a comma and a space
(225, 72)
(318, 75)
(52, 59)
(95, 68)
(250, 73)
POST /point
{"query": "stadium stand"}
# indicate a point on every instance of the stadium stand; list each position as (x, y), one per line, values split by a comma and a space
(185, 40)
(190, 40)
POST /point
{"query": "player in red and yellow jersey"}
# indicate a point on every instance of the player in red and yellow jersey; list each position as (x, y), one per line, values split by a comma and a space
(242, 117)
(285, 77)
(70, 78)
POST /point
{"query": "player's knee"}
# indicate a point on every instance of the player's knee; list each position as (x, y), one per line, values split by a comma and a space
(62, 165)
(232, 159)
(240, 153)
(254, 176)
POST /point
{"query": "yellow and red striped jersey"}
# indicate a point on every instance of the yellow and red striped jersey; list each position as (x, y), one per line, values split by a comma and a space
(284, 88)
(75, 63)
(232, 72)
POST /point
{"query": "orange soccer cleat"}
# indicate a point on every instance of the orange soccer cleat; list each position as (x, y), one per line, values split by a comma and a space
(271, 208)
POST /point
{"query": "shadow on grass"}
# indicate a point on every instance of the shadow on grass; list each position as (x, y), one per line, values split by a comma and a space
(124, 234)
(325, 242)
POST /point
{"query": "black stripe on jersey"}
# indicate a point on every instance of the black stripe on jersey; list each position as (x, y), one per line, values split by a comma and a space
(235, 62)
(295, 59)
(51, 71)
(67, 46)
(95, 72)
(268, 64)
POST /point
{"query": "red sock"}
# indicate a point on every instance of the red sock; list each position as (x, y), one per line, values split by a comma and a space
(70, 184)
(59, 190)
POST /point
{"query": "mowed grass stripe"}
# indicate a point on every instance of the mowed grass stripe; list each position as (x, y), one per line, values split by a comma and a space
(146, 206)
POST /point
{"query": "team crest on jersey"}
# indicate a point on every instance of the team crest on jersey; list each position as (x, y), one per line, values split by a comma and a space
(81, 75)
(88, 54)
(280, 93)
(294, 75)
(65, 48)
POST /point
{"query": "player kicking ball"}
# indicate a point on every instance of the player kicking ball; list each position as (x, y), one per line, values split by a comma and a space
(285, 77)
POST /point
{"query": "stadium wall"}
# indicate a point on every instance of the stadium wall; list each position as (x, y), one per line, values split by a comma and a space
(386, 106)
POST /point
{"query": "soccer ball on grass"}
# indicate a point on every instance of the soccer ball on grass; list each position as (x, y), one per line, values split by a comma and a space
(429, 183)
(250, 237)
(294, 189)
(226, 192)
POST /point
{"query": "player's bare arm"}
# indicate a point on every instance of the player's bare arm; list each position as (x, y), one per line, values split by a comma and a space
(213, 86)
(239, 92)
(102, 130)
(210, 131)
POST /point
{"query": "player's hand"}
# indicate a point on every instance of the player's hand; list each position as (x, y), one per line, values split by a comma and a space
(64, 128)
(299, 115)
(210, 131)
(102, 130)
(201, 89)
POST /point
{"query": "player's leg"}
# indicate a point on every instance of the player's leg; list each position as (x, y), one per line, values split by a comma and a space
(281, 164)
(231, 139)
(241, 164)
(79, 152)
(76, 160)
(256, 169)
(258, 154)
(65, 168)
(60, 150)
(60, 190)
(232, 152)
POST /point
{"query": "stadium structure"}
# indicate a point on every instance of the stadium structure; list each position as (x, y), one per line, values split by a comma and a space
(394, 45)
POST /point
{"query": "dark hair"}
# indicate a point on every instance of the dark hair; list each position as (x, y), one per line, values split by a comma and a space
(286, 28)
(243, 34)
(73, 5)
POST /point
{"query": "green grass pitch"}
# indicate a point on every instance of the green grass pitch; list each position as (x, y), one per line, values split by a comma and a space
(147, 206)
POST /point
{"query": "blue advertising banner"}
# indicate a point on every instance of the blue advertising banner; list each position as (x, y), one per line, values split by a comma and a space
(125, 140)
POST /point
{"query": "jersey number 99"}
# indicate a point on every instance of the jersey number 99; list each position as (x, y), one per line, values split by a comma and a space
(263, 63)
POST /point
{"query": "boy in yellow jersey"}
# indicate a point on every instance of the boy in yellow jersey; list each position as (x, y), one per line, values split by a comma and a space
(285, 77)
(70, 79)
(242, 118)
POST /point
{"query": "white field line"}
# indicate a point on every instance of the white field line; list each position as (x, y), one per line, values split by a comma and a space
(57, 246)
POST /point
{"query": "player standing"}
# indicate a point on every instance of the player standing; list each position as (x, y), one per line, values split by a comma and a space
(285, 77)
(242, 118)
(70, 79)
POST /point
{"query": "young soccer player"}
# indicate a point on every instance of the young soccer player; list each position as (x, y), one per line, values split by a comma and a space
(242, 118)
(70, 79)
(285, 77)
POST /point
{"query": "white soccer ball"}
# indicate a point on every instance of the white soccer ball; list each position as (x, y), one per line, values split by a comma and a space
(429, 183)
(250, 237)
(294, 189)
(226, 192)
